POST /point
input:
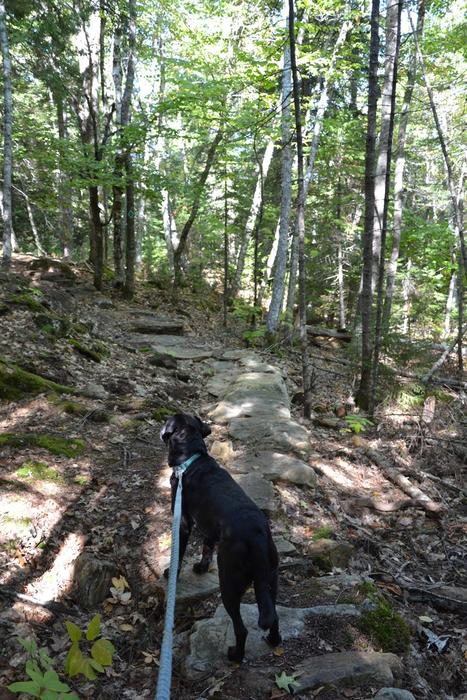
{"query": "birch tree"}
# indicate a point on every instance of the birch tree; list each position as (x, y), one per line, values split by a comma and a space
(275, 305)
(7, 139)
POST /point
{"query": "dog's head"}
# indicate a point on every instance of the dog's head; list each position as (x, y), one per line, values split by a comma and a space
(183, 431)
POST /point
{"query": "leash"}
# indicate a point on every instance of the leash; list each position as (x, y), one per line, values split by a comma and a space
(165, 660)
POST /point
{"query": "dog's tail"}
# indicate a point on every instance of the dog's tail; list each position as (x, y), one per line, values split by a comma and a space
(263, 574)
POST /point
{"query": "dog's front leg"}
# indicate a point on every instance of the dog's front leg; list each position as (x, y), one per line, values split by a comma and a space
(206, 558)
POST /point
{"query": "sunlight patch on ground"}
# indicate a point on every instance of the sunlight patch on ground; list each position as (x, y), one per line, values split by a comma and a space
(16, 417)
(57, 580)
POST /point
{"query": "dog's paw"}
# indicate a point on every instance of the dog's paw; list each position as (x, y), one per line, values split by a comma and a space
(273, 639)
(200, 567)
(234, 656)
(166, 573)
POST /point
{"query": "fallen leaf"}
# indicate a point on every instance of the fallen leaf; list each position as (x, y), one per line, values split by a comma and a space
(126, 627)
(278, 651)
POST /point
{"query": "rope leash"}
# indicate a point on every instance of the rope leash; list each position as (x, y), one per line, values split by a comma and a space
(165, 667)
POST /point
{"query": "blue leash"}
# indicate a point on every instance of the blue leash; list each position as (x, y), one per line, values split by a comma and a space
(165, 660)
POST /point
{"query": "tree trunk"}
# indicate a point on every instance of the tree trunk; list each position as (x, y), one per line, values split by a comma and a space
(307, 369)
(275, 305)
(383, 169)
(7, 140)
(399, 175)
(316, 131)
(363, 393)
(450, 304)
(130, 247)
(458, 220)
(251, 221)
(64, 188)
(178, 252)
(117, 187)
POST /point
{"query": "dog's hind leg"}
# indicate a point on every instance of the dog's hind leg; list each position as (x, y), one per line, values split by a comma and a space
(208, 550)
(274, 638)
(231, 594)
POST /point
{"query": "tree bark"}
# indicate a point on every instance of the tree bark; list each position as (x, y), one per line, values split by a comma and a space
(130, 247)
(7, 140)
(308, 374)
(64, 189)
(315, 129)
(178, 252)
(383, 170)
(363, 393)
(275, 305)
(399, 174)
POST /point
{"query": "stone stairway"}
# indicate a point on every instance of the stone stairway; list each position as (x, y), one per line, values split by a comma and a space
(258, 441)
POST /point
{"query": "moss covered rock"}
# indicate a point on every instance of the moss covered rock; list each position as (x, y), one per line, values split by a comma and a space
(16, 383)
(55, 445)
(33, 470)
(385, 627)
(86, 351)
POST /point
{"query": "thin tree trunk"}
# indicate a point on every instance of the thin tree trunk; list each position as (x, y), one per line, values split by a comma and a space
(407, 289)
(388, 106)
(32, 222)
(458, 222)
(269, 265)
(450, 304)
(399, 175)
(117, 187)
(440, 362)
(307, 369)
(226, 248)
(460, 317)
(275, 305)
(178, 252)
(64, 189)
(251, 221)
(363, 393)
(316, 131)
(130, 247)
(7, 140)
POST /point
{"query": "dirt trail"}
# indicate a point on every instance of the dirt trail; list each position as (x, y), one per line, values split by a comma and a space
(110, 499)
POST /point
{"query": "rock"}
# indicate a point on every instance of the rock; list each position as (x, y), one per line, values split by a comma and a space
(277, 467)
(181, 348)
(237, 355)
(283, 546)
(258, 385)
(159, 326)
(211, 637)
(347, 668)
(191, 586)
(93, 391)
(50, 268)
(92, 579)
(222, 450)
(104, 303)
(329, 554)
(162, 359)
(393, 694)
(225, 411)
(259, 490)
(278, 434)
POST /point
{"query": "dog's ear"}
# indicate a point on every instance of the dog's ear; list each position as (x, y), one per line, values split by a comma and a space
(204, 427)
(168, 430)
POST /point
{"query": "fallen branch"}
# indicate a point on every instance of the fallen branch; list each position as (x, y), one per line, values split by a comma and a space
(426, 475)
(402, 482)
(440, 362)
(446, 598)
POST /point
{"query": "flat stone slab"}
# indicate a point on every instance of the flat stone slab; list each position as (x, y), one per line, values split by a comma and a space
(158, 327)
(210, 638)
(219, 384)
(238, 354)
(283, 546)
(348, 668)
(248, 407)
(394, 694)
(276, 466)
(179, 347)
(281, 434)
(191, 586)
(259, 490)
(258, 385)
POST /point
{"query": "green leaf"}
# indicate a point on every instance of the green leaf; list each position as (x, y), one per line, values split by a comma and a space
(88, 670)
(284, 681)
(30, 687)
(50, 695)
(94, 628)
(102, 651)
(73, 630)
(74, 661)
(95, 664)
(29, 644)
(53, 682)
(33, 671)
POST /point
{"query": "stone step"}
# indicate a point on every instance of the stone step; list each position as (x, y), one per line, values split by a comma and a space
(158, 326)
(210, 638)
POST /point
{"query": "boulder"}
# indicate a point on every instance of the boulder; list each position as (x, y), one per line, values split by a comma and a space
(277, 466)
(393, 694)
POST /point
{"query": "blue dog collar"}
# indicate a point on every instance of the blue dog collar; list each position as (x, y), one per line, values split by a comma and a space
(181, 468)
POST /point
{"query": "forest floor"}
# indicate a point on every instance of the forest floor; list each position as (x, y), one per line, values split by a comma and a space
(83, 478)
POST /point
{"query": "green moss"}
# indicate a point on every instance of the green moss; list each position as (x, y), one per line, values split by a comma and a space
(28, 299)
(161, 413)
(82, 479)
(54, 445)
(145, 348)
(16, 383)
(385, 627)
(38, 471)
(73, 408)
(87, 352)
(323, 533)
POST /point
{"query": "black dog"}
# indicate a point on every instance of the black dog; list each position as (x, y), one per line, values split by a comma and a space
(226, 516)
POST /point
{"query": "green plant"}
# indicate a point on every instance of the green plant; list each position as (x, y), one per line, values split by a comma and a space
(356, 424)
(254, 335)
(385, 627)
(44, 681)
(101, 651)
